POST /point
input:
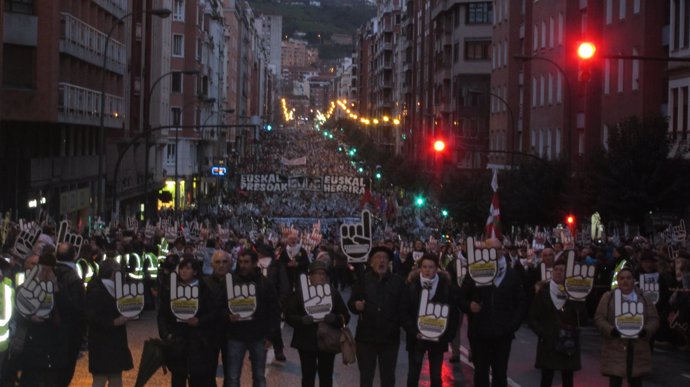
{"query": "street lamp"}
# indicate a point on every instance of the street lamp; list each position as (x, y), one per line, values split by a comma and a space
(148, 135)
(158, 12)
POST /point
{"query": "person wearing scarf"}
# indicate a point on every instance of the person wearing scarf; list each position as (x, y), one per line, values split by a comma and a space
(629, 358)
(440, 292)
(109, 353)
(553, 316)
(295, 259)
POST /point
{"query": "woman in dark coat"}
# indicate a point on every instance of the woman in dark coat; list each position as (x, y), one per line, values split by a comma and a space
(551, 316)
(109, 353)
(189, 352)
(440, 292)
(304, 337)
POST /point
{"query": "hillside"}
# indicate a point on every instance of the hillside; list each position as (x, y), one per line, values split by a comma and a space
(320, 23)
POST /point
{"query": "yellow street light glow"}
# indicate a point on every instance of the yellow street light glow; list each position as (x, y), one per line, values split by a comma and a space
(386, 119)
(396, 121)
(376, 121)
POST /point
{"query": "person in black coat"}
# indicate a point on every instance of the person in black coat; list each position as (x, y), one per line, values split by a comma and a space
(189, 353)
(304, 338)
(382, 301)
(295, 259)
(494, 313)
(556, 320)
(440, 292)
(109, 353)
(73, 315)
(274, 272)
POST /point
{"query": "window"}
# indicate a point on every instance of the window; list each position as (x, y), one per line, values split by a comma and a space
(621, 9)
(551, 32)
(176, 116)
(199, 49)
(636, 6)
(505, 53)
(19, 66)
(558, 142)
(609, 11)
(534, 92)
(559, 88)
(535, 38)
(477, 50)
(178, 10)
(620, 75)
(543, 35)
(550, 89)
(542, 91)
(560, 29)
(178, 45)
(607, 76)
(170, 153)
(635, 71)
(20, 6)
(479, 13)
(176, 86)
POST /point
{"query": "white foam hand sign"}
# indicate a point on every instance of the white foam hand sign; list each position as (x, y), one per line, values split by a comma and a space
(170, 231)
(628, 315)
(579, 278)
(65, 236)
(132, 224)
(649, 283)
(355, 239)
(30, 294)
(129, 297)
(149, 230)
(679, 233)
(241, 298)
(460, 269)
(184, 299)
(432, 318)
(48, 302)
(25, 242)
(539, 240)
(546, 272)
(567, 240)
(317, 298)
(482, 263)
(194, 231)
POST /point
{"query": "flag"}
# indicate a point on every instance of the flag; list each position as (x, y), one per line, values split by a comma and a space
(493, 222)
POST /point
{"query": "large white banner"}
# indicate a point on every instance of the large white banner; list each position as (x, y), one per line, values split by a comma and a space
(272, 182)
(294, 162)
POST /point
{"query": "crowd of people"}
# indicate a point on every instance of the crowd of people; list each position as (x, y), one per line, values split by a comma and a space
(386, 293)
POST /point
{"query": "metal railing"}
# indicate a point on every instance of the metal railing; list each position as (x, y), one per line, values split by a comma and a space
(78, 104)
(85, 42)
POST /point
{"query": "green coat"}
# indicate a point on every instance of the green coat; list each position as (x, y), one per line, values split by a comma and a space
(545, 320)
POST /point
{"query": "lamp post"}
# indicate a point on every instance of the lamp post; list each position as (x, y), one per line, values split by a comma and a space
(148, 135)
(158, 12)
(513, 126)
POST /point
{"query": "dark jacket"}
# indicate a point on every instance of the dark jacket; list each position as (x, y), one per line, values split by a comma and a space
(385, 311)
(503, 307)
(444, 295)
(108, 349)
(304, 336)
(266, 319)
(546, 322)
(217, 290)
(293, 272)
(73, 312)
(276, 274)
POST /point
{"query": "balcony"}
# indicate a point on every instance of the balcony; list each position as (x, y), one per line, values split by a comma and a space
(117, 8)
(82, 41)
(79, 105)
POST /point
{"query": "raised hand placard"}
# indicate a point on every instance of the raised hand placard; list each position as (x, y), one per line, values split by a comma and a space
(184, 299)
(432, 318)
(25, 242)
(66, 236)
(579, 278)
(317, 298)
(628, 315)
(481, 262)
(31, 293)
(129, 297)
(355, 239)
(241, 298)
(546, 272)
(649, 283)
(460, 269)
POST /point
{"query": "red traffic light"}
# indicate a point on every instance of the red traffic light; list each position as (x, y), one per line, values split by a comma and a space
(439, 145)
(570, 220)
(586, 50)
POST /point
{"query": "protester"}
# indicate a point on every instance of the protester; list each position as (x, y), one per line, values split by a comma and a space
(276, 275)
(625, 358)
(73, 312)
(381, 301)
(189, 354)
(220, 263)
(304, 339)
(253, 334)
(556, 321)
(494, 313)
(440, 293)
(109, 353)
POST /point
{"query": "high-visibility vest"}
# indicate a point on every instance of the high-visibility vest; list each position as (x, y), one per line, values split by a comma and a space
(6, 308)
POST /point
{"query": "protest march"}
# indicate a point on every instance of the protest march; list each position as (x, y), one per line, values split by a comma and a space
(309, 243)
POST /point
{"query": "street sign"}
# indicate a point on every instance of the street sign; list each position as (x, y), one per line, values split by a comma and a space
(219, 171)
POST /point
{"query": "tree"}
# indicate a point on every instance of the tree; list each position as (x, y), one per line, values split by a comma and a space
(635, 176)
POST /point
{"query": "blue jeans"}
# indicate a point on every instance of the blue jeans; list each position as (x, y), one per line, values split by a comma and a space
(257, 356)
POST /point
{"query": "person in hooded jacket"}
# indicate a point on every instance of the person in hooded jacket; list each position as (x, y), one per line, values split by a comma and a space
(304, 338)
(440, 292)
(109, 353)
